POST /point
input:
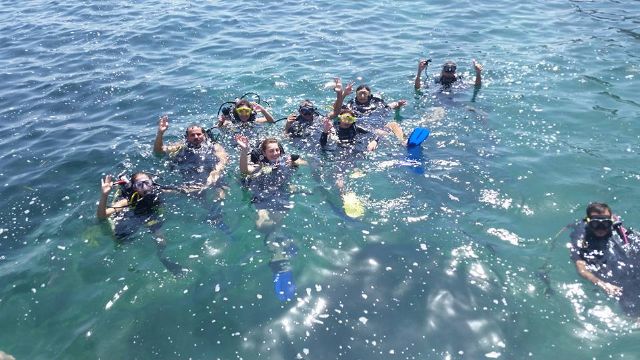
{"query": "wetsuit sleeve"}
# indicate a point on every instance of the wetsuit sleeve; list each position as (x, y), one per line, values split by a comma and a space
(323, 139)
(574, 252)
(576, 234)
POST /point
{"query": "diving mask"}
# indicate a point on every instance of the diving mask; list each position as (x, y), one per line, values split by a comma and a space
(347, 118)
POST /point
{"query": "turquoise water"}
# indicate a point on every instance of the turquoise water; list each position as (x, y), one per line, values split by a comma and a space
(444, 265)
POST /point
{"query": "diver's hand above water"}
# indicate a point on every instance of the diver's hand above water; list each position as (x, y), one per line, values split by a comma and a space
(106, 185)
(610, 289)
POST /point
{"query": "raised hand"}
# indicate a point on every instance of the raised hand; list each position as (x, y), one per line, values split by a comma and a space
(242, 141)
(106, 185)
(163, 124)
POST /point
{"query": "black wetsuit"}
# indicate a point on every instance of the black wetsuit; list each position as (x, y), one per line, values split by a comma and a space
(195, 164)
(372, 104)
(140, 212)
(303, 132)
(612, 259)
(353, 139)
(270, 185)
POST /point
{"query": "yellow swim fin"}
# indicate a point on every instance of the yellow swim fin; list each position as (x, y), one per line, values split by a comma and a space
(352, 205)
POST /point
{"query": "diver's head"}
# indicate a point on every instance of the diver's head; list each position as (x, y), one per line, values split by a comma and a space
(599, 220)
(448, 74)
(141, 183)
(363, 94)
(243, 110)
(346, 118)
(195, 135)
(270, 149)
(306, 109)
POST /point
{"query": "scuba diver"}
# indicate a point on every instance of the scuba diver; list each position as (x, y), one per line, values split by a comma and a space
(267, 176)
(200, 161)
(606, 254)
(303, 124)
(137, 204)
(243, 113)
(369, 109)
(448, 76)
(347, 133)
(349, 143)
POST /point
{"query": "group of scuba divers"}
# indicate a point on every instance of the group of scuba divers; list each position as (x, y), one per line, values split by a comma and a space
(603, 250)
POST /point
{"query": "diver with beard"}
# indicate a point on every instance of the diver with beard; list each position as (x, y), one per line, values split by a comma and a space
(201, 162)
(137, 204)
(604, 252)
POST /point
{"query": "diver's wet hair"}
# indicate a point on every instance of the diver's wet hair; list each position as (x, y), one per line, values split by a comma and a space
(266, 142)
(364, 86)
(346, 110)
(135, 176)
(192, 126)
(449, 67)
(598, 208)
(243, 102)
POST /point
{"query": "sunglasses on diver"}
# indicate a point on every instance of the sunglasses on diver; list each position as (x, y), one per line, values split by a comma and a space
(449, 69)
(600, 224)
(244, 110)
(347, 118)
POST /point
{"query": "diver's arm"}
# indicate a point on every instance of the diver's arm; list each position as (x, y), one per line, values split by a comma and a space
(158, 145)
(327, 126)
(610, 289)
(103, 210)
(267, 116)
(422, 64)
(295, 160)
(478, 68)
(290, 120)
(245, 167)
(373, 144)
(397, 104)
(223, 159)
(340, 94)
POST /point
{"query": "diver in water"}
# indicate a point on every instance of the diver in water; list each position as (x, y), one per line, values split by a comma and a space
(137, 204)
(268, 179)
(200, 161)
(303, 124)
(369, 108)
(448, 76)
(605, 253)
(347, 133)
(244, 113)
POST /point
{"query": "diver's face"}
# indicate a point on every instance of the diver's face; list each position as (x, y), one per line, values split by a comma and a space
(142, 184)
(272, 152)
(600, 224)
(362, 95)
(306, 113)
(448, 76)
(346, 120)
(195, 136)
(244, 113)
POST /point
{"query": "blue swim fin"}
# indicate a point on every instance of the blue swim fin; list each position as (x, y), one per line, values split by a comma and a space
(284, 286)
(418, 135)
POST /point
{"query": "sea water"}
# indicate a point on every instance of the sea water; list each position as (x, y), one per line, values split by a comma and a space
(462, 259)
